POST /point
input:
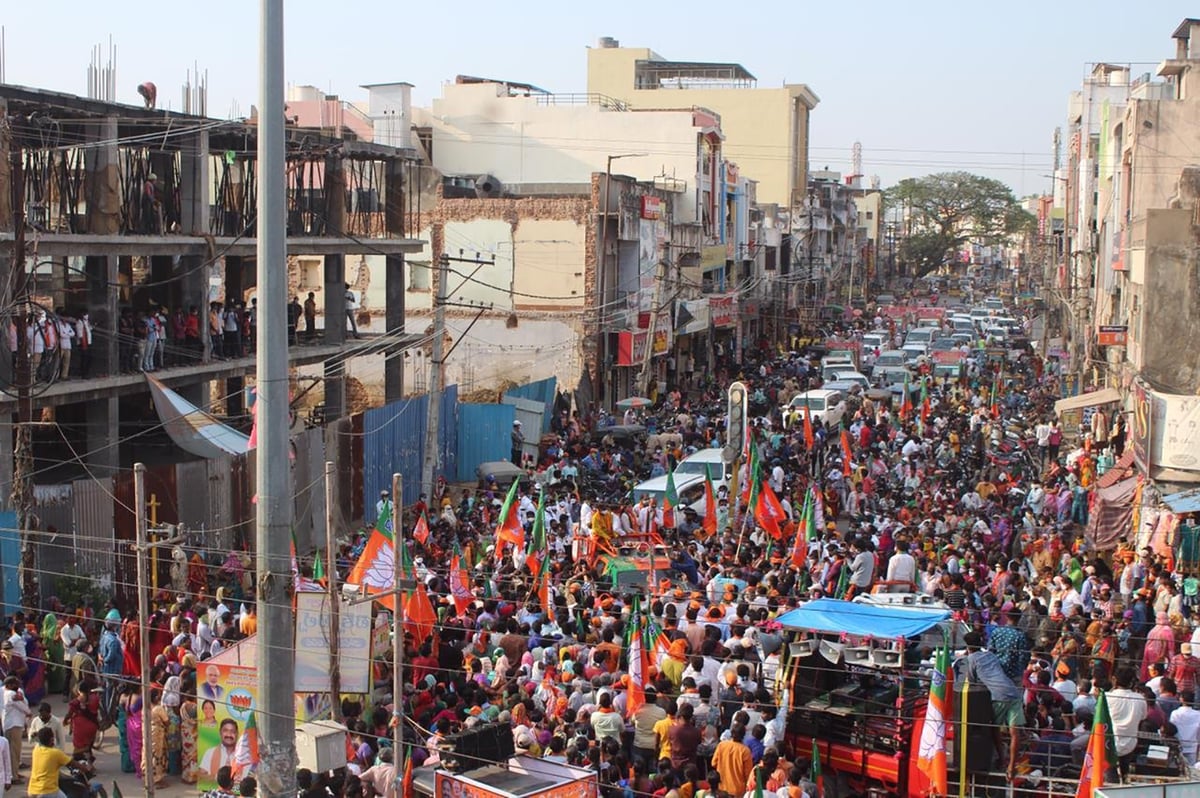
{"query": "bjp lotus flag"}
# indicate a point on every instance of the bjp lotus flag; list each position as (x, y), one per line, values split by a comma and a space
(460, 583)
(769, 512)
(1101, 751)
(639, 667)
(421, 530)
(508, 528)
(931, 754)
(800, 548)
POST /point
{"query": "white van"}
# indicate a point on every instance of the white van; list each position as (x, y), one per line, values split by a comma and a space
(710, 459)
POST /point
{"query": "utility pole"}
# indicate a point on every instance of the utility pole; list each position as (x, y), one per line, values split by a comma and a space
(139, 506)
(143, 547)
(433, 410)
(23, 377)
(643, 385)
(275, 656)
(335, 608)
(397, 631)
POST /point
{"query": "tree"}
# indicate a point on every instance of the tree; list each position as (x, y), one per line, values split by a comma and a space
(946, 210)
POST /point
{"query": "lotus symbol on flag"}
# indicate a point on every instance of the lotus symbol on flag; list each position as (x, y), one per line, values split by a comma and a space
(380, 572)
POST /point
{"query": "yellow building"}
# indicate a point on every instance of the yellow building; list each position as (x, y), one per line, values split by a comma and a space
(766, 130)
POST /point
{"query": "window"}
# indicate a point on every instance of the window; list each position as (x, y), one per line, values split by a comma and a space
(418, 276)
(870, 215)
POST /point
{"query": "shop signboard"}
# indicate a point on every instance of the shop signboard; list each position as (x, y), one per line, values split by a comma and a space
(651, 207)
(1112, 334)
(723, 310)
(1139, 425)
(1175, 431)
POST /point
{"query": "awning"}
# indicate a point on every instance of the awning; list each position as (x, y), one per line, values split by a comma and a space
(1122, 469)
(1111, 515)
(1185, 501)
(1100, 397)
(863, 620)
(193, 430)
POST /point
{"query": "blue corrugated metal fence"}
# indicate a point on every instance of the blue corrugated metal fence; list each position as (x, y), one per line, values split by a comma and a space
(540, 391)
(10, 559)
(484, 435)
(394, 442)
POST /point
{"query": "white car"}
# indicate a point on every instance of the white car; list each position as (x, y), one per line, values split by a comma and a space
(708, 460)
(823, 405)
(851, 376)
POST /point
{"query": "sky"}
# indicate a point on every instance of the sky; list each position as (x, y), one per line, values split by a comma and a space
(925, 86)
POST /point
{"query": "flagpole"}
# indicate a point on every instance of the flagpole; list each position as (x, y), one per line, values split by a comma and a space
(397, 631)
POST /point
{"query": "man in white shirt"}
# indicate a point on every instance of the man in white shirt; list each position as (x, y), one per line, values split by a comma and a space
(1187, 724)
(1127, 710)
(902, 567)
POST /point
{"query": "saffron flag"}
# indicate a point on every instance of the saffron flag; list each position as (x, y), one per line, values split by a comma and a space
(905, 402)
(710, 504)
(1101, 751)
(420, 618)
(751, 476)
(406, 783)
(460, 583)
(508, 527)
(931, 755)
(421, 530)
(245, 754)
(375, 569)
(535, 554)
(925, 408)
(800, 548)
(670, 502)
(769, 512)
(639, 667)
(809, 438)
(543, 587)
(846, 452)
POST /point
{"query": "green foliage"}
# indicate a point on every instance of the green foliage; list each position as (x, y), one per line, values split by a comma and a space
(80, 591)
(946, 210)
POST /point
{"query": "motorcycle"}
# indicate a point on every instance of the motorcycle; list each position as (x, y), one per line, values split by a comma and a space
(77, 780)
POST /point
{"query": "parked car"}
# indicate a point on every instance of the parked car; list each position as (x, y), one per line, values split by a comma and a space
(502, 471)
(628, 435)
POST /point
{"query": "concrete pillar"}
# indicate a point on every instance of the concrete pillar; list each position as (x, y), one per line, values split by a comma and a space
(194, 185)
(103, 432)
(335, 265)
(235, 404)
(335, 389)
(235, 271)
(335, 300)
(393, 365)
(103, 312)
(193, 287)
(104, 182)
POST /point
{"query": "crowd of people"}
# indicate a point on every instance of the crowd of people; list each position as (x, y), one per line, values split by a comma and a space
(963, 490)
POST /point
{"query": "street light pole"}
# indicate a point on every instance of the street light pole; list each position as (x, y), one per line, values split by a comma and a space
(275, 655)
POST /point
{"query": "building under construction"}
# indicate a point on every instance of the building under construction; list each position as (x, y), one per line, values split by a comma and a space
(111, 212)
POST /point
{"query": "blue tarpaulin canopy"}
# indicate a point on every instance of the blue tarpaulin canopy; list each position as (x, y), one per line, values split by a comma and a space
(1186, 501)
(862, 620)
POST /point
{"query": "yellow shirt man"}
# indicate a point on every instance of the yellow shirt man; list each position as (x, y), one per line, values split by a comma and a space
(43, 773)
